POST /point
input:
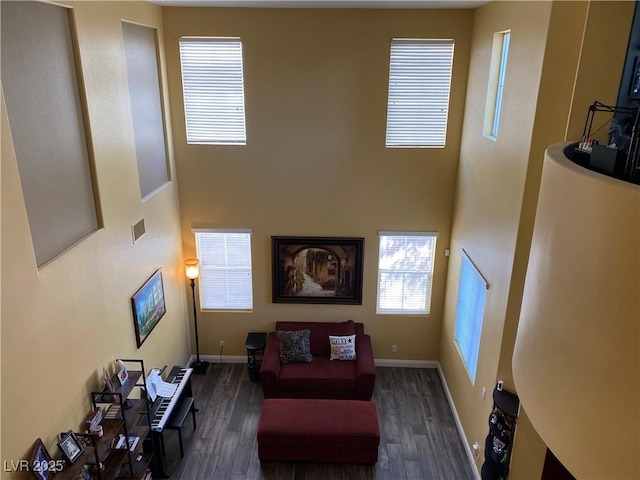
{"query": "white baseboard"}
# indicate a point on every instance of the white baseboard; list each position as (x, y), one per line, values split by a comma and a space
(381, 362)
(390, 362)
(220, 358)
(463, 436)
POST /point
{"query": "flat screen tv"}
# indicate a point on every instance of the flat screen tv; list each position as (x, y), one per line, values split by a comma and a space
(148, 306)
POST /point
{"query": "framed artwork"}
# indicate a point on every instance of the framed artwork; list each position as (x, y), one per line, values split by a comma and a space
(148, 306)
(317, 270)
(70, 446)
(634, 86)
(108, 383)
(40, 461)
(123, 375)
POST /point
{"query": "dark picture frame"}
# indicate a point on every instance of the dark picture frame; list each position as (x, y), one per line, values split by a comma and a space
(148, 306)
(40, 461)
(634, 85)
(325, 270)
(70, 446)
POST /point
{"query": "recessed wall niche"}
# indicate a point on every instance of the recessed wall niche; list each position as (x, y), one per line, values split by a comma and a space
(44, 106)
(141, 50)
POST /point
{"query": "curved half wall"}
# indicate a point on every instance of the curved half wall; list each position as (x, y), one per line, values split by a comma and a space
(577, 353)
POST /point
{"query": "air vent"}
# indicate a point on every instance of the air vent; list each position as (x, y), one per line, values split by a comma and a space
(138, 230)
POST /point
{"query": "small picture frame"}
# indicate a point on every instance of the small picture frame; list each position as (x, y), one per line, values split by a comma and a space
(123, 375)
(40, 461)
(70, 446)
(108, 383)
(634, 85)
(94, 419)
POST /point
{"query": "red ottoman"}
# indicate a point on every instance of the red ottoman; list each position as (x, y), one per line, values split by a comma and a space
(318, 430)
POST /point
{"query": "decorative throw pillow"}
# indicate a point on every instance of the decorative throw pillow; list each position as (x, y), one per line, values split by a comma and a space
(294, 346)
(343, 348)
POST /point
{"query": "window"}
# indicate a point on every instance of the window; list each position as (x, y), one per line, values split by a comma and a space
(225, 269)
(497, 73)
(419, 85)
(472, 291)
(213, 90)
(405, 272)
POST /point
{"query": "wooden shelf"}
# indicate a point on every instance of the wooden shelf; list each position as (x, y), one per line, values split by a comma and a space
(123, 391)
(122, 462)
(505, 413)
(139, 467)
(506, 401)
(114, 463)
(72, 471)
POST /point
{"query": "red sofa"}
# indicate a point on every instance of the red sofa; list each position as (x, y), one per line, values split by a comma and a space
(322, 378)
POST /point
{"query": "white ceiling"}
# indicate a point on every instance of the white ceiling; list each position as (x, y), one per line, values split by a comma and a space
(325, 3)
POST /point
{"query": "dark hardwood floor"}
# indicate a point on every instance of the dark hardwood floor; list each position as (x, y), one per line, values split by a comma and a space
(418, 435)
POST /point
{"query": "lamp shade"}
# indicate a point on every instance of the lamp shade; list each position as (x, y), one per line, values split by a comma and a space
(192, 267)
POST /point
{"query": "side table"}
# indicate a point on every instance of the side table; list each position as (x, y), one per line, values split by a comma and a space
(255, 343)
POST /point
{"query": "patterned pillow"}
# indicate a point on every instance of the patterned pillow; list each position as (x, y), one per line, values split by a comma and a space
(294, 346)
(343, 348)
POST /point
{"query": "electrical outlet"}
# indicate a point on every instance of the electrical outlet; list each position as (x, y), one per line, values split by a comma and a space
(476, 450)
(394, 348)
(221, 344)
(484, 393)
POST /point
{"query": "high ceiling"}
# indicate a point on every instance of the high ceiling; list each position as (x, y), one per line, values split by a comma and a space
(325, 3)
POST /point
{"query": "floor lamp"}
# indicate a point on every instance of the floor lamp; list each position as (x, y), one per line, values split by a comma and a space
(193, 271)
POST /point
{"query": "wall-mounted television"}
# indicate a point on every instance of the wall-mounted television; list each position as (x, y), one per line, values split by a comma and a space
(148, 306)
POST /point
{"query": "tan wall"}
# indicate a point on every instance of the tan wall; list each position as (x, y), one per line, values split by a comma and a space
(581, 65)
(576, 357)
(555, 99)
(63, 323)
(490, 189)
(315, 162)
(496, 220)
(601, 63)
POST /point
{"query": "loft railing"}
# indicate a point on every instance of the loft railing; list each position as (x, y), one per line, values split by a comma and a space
(620, 157)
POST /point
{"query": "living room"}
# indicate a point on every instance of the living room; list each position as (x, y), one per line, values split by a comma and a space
(315, 164)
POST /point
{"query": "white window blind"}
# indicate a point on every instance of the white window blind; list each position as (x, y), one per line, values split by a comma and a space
(495, 85)
(472, 291)
(405, 272)
(419, 86)
(506, 36)
(225, 269)
(213, 90)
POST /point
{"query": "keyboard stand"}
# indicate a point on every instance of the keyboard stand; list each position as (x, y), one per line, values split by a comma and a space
(156, 439)
(177, 421)
(177, 416)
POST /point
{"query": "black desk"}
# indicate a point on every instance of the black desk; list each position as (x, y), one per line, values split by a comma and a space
(255, 343)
